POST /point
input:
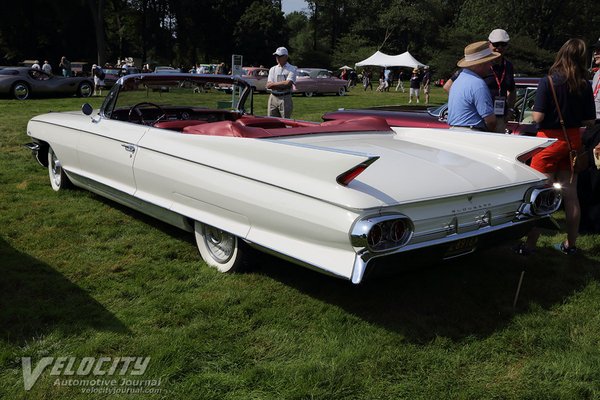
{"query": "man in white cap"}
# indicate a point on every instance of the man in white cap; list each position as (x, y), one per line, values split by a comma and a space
(470, 103)
(280, 81)
(501, 81)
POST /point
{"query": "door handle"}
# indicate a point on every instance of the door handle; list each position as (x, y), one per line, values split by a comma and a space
(129, 147)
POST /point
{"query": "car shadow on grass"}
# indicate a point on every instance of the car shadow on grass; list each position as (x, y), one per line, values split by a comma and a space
(468, 297)
(35, 300)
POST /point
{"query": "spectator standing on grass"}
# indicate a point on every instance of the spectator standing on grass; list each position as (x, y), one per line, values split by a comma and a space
(415, 84)
(47, 68)
(367, 80)
(387, 75)
(426, 83)
(470, 104)
(65, 66)
(588, 181)
(281, 79)
(400, 84)
(99, 76)
(501, 81)
(575, 100)
(353, 78)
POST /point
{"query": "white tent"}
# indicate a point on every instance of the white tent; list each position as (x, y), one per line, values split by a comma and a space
(380, 59)
(346, 67)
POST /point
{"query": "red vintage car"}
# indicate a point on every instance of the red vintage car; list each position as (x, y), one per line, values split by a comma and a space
(311, 81)
(437, 116)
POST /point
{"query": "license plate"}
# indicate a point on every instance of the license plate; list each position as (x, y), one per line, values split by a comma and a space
(461, 247)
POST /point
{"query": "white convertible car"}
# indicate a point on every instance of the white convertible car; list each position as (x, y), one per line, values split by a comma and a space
(340, 197)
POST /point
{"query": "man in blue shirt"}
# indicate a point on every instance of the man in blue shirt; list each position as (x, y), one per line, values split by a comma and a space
(470, 103)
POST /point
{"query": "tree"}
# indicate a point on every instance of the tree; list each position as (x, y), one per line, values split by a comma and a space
(259, 31)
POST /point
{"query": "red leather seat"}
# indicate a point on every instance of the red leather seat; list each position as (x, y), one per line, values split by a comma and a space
(178, 125)
(261, 122)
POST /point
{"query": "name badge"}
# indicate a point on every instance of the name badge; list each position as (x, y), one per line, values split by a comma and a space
(499, 105)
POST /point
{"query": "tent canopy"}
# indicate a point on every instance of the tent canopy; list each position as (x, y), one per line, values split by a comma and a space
(346, 67)
(380, 59)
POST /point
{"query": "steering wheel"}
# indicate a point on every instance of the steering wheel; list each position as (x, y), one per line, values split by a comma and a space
(140, 116)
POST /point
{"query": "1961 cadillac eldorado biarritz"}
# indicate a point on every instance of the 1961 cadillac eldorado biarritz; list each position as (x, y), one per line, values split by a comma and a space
(339, 197)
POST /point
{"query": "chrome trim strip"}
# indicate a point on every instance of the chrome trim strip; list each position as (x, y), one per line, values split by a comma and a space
(152, 210)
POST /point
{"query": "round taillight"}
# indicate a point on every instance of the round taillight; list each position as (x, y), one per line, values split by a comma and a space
(398, 231)
(375, 236)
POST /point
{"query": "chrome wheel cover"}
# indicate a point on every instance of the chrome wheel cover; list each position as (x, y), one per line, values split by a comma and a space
(56, 170)
(21, 91)
(220, 244)
(85, 90)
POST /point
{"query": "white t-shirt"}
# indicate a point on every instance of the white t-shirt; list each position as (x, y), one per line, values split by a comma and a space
(281, 74)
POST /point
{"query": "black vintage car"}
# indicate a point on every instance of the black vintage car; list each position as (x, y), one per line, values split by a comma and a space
(24, 82)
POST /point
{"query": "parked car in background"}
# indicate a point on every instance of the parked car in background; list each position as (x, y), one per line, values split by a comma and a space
(24, 82)
(129, 69)
(437, 116)
(340, 197)
(311, 81)
(111, 76)
(166, 70)
(256, 77)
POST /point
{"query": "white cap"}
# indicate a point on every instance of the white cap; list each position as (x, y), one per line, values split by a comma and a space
(498, 35)
(281, 51)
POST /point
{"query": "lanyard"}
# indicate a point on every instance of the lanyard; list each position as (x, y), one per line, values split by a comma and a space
(597, 88)
(499, 81)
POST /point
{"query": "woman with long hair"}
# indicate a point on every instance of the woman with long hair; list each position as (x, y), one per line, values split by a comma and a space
(575, 100)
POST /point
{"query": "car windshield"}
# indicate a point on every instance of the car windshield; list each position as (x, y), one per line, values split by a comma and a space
(185, 91)
(437, 111)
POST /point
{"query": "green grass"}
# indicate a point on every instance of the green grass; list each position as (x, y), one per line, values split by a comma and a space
(85, 277)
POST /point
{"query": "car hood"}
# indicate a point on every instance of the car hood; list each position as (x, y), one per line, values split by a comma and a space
(425, 164)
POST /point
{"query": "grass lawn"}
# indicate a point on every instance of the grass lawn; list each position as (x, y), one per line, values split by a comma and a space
(84, 277)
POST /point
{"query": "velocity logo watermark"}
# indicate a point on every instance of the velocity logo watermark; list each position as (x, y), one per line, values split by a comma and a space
(107, 372)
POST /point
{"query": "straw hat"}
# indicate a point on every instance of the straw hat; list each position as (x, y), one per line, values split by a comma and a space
(477, 53)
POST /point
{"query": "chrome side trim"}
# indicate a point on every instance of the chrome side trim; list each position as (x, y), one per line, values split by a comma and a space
(130, 201)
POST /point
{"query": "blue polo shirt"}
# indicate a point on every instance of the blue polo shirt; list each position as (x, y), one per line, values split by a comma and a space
(470, 101)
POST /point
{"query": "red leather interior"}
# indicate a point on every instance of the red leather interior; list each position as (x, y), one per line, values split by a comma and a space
(261, 122)
(178, 124)
(238, 129)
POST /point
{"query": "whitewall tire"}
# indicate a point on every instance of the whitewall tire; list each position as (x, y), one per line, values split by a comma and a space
(58, 177)
(220, 249)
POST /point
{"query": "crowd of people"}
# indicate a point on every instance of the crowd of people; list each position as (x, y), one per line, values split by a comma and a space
(481, 96)
(419, 82)
(64, 65)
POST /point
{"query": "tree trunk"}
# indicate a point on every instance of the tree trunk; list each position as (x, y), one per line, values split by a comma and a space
(97, 9)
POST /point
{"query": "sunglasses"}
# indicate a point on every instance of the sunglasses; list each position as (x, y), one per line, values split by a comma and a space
(499, 44)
